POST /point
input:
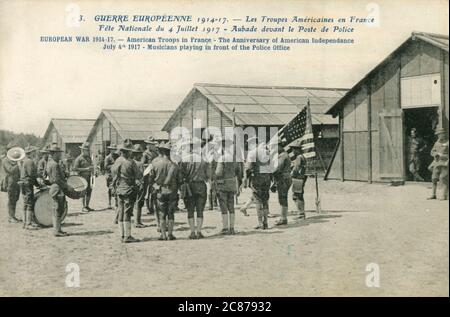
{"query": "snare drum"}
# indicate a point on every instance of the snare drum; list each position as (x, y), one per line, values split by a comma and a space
(77, 187)
(43, 208)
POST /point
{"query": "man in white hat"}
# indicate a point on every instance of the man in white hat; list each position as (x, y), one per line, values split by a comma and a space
(83, 167)
(58, 183)
(11, 177)
(29, 179)
(439, 166)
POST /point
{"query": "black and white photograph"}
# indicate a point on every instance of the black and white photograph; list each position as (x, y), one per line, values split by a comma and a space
(251, 149)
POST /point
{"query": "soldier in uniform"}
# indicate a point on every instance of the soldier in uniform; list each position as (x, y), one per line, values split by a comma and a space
(58, 184)
(282, 182)
(165, 179)
(84, 168)
(11, 177)
(150, 153)
(109, 162)
(299, 179)
(195, 174)
(137, 157)
(42, 164)
(126, 181)
(416, 146)
(257, 170)
(439, 166)
(28, 180)
(226, 172)
(69, 161)
(213, 154)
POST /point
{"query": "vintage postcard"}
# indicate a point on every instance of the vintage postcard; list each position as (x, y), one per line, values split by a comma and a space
(194, 148)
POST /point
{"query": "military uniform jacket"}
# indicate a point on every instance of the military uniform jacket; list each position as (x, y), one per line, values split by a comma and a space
(125, 171)
(283, 170)
(28, 172)
(148, 157)
(226, 173)
(109, 162)
(258, 171)
(10, 172)
(299, 168)
(41, 168)
(57, 177)
(196, 173)
(440, 154)
(165, 174)
(139, 169)
(82, 162)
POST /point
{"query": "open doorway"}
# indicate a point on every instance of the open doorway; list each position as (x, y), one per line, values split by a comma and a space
(417, 150)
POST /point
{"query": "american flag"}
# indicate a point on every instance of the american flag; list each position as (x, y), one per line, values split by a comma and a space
(299, 131)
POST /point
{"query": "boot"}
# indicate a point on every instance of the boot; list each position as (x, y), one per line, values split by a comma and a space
(128, 237)
(199, 228)
(88, 200)
(433, 192)
(57, 227)
(232, 218)
(28, 217)
(139, 223)
(265, 223)
(116, 219)
(444, 192)
(109, 200)
(259, 213)
(192, 227)
(12, 213)
(170, 230)
(283, 219)
(24, 217)
(301, 209)
(121, 230)
(225, 223)
(162, 224)
(265, 215)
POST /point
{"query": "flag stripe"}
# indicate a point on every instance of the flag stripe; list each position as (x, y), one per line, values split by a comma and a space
(307, 146)
(309, 154)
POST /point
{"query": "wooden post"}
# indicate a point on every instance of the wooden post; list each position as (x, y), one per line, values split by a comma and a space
(441, 110)
(341, 138)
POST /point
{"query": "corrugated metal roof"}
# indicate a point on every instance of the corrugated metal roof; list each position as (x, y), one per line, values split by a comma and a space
(71, 130)
(438, 40)
(262, 105)
(138, 124)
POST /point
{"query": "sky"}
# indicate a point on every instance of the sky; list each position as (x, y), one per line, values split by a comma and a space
(40, 81)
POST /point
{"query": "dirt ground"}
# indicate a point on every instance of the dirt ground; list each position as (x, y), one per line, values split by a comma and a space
(327, 254)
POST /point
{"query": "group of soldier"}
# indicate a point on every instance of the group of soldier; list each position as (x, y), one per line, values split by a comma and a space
(439, 167)
(22, 170)
(153, 177)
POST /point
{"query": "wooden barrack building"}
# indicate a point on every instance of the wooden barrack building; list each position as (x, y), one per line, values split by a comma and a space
(259, 106)
(408, 89)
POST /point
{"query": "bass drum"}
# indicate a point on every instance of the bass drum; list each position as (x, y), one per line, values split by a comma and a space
(43, 208)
